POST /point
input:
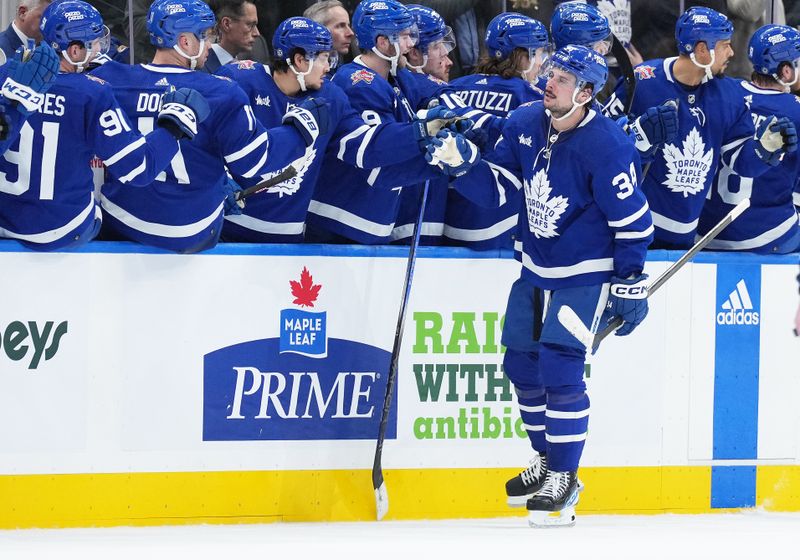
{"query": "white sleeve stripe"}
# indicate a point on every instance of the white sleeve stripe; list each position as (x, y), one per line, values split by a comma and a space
(733, 144)
(373, 176)
(255, 169)
(343, 142)
(501, 192)
(448, 101)
(124, 152)
(249, 148)
(630, 219)
(506, 174)
(634, 234)
(473, 113)
(481, 121)
(363, 147)
(135, 173)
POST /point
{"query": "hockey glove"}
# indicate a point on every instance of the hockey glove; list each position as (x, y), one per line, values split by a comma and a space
(774, 138)
(429, 122)
(233, 206)
(655, 127)
(311, 118)
(627, 298)
(30, 74)
(182, 110)
(453, 154)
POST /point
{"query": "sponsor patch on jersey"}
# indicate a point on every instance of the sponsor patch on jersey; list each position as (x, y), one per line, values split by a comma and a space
(436, 80)
(95, 78)
(644, 72)
(246, 65)
(362, 76)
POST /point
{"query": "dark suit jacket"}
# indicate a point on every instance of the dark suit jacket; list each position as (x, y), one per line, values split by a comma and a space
(9, 42)
(212, 63)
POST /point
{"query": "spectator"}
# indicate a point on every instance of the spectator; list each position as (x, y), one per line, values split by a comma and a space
(333, 15)
(237, 31)
(25, 26)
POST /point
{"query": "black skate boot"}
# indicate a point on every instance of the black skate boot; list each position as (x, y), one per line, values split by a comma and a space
(554, 504)
(527, 483)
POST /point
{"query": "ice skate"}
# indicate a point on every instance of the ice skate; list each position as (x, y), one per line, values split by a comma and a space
(554, 504)
(520, 488)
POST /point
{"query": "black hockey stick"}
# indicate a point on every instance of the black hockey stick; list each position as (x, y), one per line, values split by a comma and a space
(626, 72)
(284, 175)
(580, 331)
(378, 484)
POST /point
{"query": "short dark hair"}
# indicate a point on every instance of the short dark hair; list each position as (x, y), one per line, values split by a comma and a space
(280, 64)
(228, 8)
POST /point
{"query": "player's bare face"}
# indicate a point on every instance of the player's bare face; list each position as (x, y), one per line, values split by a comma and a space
(341, 32)
(558, 92)
(439, 62)
(321, 67)
(723, 53)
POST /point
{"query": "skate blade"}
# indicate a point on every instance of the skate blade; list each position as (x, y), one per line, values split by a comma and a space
(548, 519)
(518, 501)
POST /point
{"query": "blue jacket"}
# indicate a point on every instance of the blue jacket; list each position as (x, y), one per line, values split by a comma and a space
(9, 42)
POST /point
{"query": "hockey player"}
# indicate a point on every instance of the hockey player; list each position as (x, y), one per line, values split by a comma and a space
(770, 225)
(584, 242)
(25, 79)
(517, 45)
(303, 56)
(365, 211)
(46, 188)
(715, 126)
(431, 55)
(182, 210)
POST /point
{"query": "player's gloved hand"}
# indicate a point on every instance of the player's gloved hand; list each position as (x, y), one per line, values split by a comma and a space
(233, 206)
(655, 127)
(430, 121)
(627, 298)
(182, 110)
(774, 138)
(452, 153)
(311, 118)
(29, 75)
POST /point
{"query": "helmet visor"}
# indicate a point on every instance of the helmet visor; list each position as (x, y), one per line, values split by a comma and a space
(99, 45)
(331, 58)
(551, 70)
(603, 46)
(406, 38)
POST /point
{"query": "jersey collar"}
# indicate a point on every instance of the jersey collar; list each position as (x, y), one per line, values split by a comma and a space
(752, 88)
(163, 69)
(667, 67)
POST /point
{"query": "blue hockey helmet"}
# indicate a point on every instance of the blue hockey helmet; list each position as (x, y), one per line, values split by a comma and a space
(511, 30)
(72, 21)
(701, 24)
(773, 45)
(301, 33)
(167, 19)
(584, 63)
(372, 18)
(575, 23)
(431, 27)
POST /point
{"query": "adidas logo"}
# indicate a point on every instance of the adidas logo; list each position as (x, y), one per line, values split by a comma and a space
(738, 308)
(482, 82)
(162, 82)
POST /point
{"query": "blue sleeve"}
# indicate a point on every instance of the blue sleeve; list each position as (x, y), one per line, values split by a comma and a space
(738, 144)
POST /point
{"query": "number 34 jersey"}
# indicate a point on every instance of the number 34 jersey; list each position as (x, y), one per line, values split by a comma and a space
(46, 186)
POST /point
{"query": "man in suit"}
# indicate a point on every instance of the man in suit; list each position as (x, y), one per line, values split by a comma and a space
(237, 31)
(24, 26)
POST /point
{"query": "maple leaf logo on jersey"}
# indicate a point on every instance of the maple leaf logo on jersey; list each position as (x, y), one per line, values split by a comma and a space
(362, 76)
(291, 186)
(618, 13)
(687, 169)
(305, 292)
(645, 72)
(543, 211)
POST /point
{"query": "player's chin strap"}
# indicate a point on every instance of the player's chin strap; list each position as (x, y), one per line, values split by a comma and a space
(393, 60)
(706, 67)
(787, 86)
(78, 65)
(192, 59)
(301, 76)
(418, 69)
(575, 104)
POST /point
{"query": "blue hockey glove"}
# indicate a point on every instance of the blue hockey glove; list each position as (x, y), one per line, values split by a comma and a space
(311, 118)
(182, 110)
(429, 122)
(30, 74)
(232, 205)
(774, 138)
(627, 298)
(452, 153)
(654, 128)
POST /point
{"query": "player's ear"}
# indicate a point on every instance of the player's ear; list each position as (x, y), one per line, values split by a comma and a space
(584, 96)
(702, 53)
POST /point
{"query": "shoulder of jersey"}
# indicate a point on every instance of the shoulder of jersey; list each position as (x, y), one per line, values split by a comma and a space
(648, 69)
(436, 80)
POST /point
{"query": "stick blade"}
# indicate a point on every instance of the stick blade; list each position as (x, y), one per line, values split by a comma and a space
(381, 501)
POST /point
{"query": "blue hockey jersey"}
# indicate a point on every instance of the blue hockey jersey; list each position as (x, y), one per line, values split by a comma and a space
(280, 214)
(467, 223)
(584, 216)
(182, 210)
(46, 186)
(360, 204)
(771, 220)
(714, 127)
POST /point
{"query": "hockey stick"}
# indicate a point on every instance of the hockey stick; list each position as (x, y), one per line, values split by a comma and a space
(570, 320)
(284, 175)
(378, 484)
(626, 71)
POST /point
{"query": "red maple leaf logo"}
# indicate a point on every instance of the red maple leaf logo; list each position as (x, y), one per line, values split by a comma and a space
(305, 292)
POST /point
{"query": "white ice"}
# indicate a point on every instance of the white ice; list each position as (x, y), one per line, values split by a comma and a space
(748, 534)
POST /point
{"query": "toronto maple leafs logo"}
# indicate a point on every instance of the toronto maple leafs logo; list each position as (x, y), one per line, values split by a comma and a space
(688, 168)
(291, 186)
(618, 13)
(544, 211)
(305, 292)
